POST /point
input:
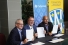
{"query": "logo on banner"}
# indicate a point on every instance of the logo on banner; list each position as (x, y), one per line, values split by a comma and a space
(56, 17)
(36, 6)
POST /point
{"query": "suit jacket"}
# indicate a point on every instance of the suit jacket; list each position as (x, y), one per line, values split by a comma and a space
(27, 27)
(14, 37)
(24, 31)
(50, 26)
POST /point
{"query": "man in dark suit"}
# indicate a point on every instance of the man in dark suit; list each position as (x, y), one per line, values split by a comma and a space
(16, 36)
(48, 26)
(30, 25)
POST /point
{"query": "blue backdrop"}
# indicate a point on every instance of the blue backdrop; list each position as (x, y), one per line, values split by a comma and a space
(40, 9)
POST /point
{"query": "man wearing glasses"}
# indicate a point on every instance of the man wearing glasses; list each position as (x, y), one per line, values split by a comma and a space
(30, 25)
(16, 36)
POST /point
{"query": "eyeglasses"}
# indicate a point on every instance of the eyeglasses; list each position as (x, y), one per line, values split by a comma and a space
(20, 24)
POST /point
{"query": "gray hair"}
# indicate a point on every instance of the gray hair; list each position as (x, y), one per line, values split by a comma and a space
(18, 20)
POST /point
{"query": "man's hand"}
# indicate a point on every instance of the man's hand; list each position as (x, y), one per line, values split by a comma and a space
(25, 41)
(36, 34)
(50, 33)
(44, 32)
(33, 38)
(59, 26)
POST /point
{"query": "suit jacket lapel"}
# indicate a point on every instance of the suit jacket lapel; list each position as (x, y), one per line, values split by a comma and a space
(28, 26)
(18, 33)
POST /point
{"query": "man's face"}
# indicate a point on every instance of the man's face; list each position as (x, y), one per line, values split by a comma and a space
(31, 21)
(45, 20)
(19, 24)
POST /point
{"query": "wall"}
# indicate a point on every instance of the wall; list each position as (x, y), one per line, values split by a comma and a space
(14, 12)
(65, 10)
(0, 25)
(4, 17)
(10, 10)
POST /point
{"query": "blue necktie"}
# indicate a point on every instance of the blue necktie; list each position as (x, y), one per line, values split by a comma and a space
(20, 35)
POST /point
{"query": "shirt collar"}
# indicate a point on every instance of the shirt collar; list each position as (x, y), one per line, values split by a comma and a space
(30, 26)
(19, 30)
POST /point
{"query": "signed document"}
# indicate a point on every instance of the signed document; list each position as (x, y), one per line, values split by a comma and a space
(58, 35)
(29, 34)
(40, 31)
(55, 29)
(39, 43)
(57, 40)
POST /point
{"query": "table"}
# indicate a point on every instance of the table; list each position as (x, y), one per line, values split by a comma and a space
(48, 38)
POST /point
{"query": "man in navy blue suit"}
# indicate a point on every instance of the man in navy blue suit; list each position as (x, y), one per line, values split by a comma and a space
(16, 36)
(30, 25)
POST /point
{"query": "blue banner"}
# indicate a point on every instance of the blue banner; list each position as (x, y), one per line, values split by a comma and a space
(40, 10)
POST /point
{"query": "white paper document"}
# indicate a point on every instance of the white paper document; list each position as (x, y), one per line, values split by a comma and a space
(55, 29)
(39, 43)
(58, 35)
(40, 31)
(57, 40)
(29, 34)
